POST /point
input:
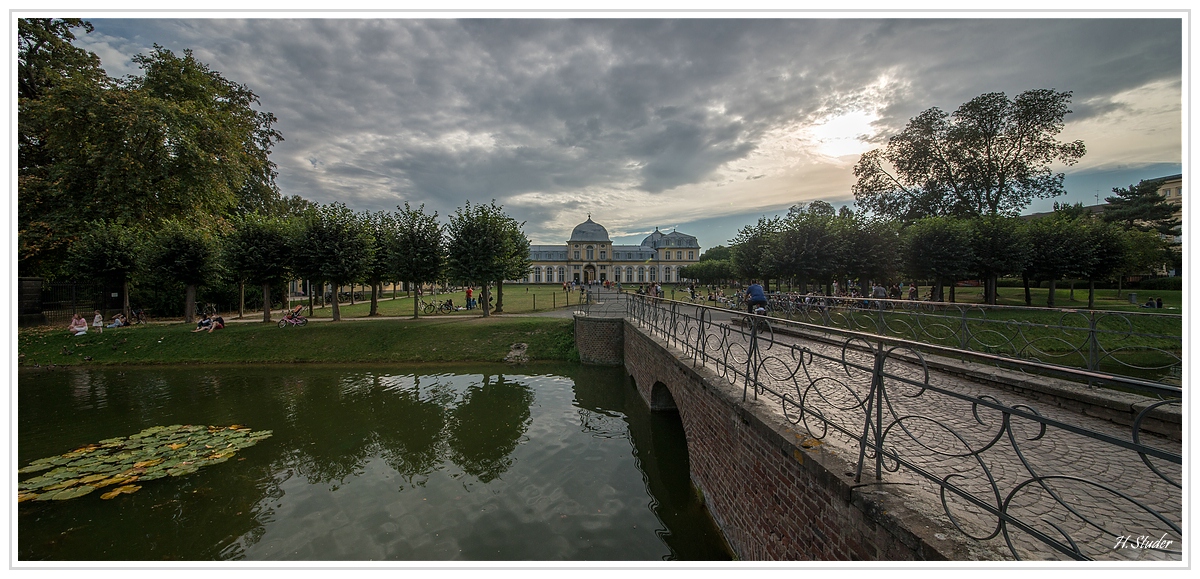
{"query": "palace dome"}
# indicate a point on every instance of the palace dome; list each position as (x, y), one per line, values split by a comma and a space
(589, 231)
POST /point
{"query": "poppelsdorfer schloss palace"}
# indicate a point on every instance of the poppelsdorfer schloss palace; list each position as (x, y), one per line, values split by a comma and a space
(591, 256)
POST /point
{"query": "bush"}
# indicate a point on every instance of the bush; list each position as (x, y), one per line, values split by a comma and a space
(1161, 283)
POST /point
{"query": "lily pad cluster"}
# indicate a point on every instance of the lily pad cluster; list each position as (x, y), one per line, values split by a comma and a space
(153, 453)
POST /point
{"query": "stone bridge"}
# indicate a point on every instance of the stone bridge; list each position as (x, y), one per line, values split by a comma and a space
(782, 489)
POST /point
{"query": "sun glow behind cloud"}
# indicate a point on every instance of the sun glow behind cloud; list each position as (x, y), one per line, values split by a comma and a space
(844, 134)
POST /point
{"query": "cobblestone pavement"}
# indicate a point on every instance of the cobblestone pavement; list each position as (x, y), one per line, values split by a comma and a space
(1070, 486)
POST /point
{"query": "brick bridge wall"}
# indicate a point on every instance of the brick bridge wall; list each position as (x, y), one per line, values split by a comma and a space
(773, 491)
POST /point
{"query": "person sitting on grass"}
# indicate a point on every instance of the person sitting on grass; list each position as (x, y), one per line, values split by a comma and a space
(1158, 303)
(1150, 303)
(218, 323)
(78, 325)
(118, 320)
(203, 324)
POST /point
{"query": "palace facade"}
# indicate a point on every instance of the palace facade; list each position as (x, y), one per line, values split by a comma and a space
(591, 256)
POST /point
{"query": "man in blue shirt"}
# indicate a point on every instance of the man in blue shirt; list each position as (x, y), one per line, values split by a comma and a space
(755, 296)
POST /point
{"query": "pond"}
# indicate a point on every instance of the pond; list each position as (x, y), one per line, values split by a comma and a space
(475, 463)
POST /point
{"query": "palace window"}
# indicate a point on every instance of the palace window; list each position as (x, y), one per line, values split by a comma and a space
(654, 274)
(591, 253)
(629, 275)
(603, 254)
(562, 274)
(666, 274)
(537, 275)
(576, 253)
(641, 274)
(691, 255)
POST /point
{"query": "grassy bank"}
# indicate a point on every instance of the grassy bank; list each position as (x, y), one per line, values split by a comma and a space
(443, 339)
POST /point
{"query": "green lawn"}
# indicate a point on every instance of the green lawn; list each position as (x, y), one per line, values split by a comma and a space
(518, 299)
(436, 339)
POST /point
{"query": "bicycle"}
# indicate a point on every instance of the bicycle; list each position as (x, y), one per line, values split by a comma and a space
(431, 308)
(138, 316)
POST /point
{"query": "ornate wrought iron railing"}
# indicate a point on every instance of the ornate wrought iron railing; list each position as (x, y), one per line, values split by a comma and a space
(1027, 482)
(1129, 343)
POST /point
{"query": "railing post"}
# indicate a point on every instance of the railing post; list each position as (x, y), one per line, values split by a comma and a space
(963, 338)
(751, 354)
(1093, 361)
(874, 404)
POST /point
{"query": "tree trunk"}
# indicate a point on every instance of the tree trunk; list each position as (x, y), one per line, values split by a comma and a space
(1050, 296)
(125, 300)
(241, 299)
(374, 299)
(484, 301)
(337, 311)
(310, 298)
(415, 300)
(1072, 298)
(1091, 294)
(1028, 295)
(266, 289)
(952, 285)
(189, 306)
(500, 297)
(1120, 280)
(352, 293)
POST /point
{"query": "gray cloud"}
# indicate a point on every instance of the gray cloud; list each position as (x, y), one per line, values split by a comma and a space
(438, 111)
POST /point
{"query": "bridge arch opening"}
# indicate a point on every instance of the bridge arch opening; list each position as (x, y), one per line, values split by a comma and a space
(661, 399)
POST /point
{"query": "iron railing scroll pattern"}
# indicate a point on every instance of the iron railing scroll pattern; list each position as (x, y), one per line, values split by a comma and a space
(1130, 343)
(1028, 482)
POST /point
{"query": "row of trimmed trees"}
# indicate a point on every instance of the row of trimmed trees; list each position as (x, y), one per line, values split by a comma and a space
(327, 244)
(815, 245)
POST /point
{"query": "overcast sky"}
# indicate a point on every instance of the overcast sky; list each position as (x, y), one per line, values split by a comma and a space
(697, 124)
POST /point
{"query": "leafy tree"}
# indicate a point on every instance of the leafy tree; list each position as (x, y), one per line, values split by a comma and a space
(417, 256)
(178, 142)
(384, 228)
(709, 271)
(107, 252)
(477, 247)
(1144, 251)
(716, 252)
(999, 248)
(868, 249)
(1141, 207)
(938, 249)
(335, 246)
(1057, 249)
(749, 248)
(991, 157)
(515, 257)
(259, 251)
(805, 242)
(183, 253)
(1107, 246)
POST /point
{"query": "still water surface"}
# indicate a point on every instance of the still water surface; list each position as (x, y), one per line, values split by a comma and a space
(544, 462)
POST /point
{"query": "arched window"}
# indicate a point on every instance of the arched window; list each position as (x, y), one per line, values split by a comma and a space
(641, 274)
(617, 273)
(537, 275)
(653, 274)
(562, 274)
(667, 274)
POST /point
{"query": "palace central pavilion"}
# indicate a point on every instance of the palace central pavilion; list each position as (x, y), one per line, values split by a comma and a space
(591, 256)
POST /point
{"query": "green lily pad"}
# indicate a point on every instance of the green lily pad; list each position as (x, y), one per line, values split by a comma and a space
(72, 493)
(150, 454)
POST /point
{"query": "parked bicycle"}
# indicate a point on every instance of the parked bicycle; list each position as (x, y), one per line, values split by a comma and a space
(431, 308)
(293, 318)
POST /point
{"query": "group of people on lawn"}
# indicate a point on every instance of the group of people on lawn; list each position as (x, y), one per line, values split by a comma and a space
(79, 325)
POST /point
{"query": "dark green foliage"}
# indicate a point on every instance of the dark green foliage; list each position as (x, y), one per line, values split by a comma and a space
(999, 247)
(749, 248)
(178, 142)
(1162, 283)
(478, 246)
(184, 254)
(938, 248)
(108, 253)
(259, 251)
(991, 157)
(334, 245)
(1141, 207)
(416, 254)
(719, 252)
